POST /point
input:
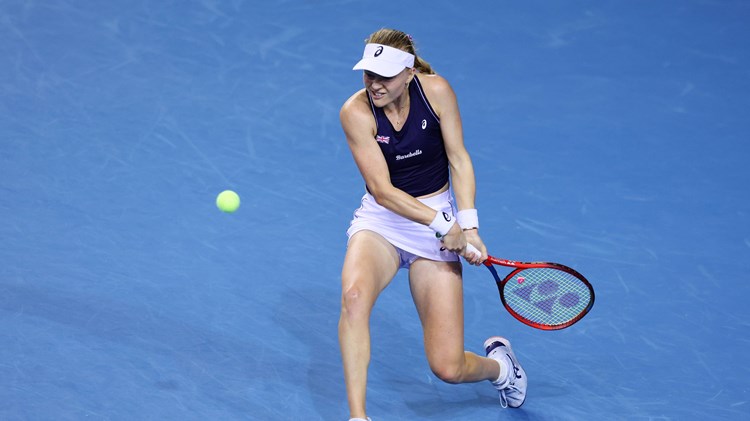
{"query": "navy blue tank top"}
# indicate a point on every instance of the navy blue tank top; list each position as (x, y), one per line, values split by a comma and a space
(416, 156)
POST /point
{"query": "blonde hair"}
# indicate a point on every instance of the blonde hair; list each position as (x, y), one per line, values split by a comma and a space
(403, 41)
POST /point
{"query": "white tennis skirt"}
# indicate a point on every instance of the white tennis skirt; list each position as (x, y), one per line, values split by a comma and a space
(412, 239)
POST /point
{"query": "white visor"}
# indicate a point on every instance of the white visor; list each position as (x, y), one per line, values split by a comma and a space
(384, 60)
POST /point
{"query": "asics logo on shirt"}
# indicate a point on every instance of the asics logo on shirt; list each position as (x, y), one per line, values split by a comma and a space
(424, 124)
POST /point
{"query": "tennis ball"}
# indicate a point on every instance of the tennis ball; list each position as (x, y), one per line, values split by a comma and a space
(228, 201)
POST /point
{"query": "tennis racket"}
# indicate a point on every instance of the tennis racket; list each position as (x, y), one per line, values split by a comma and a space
(547, 296)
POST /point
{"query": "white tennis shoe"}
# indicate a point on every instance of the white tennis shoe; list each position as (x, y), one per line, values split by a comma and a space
(512, 389)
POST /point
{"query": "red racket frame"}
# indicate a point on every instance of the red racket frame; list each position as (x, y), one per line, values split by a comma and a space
(519, 266)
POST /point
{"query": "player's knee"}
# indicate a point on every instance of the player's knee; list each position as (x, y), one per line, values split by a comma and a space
(354, 304)
(449, 372)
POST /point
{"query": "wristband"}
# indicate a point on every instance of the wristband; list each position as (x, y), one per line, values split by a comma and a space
(442, 223)
(468, 219)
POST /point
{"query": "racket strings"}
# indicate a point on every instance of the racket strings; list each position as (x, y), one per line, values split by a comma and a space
(546, 296)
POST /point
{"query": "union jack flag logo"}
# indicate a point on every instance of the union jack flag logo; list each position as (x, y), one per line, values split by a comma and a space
(383, 139)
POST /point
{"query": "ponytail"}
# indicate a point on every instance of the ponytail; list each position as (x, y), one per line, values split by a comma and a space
(422, 66)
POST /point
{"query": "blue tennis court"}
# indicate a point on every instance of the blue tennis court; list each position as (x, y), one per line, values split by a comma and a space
(610, 136)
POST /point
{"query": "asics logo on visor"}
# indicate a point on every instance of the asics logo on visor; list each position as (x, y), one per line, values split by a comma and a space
(379, 51)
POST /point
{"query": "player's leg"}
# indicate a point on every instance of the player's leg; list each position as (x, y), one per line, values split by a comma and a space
(437, 290)
(370, 264)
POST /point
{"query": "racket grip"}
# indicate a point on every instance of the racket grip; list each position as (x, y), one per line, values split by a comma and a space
(473, 250)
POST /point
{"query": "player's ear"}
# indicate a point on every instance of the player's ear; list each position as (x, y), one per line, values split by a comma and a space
(412, 72)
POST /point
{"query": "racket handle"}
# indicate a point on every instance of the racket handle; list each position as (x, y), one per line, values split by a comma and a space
(473, 250)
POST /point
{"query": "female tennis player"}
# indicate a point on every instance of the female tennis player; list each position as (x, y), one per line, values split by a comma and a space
(404, 131)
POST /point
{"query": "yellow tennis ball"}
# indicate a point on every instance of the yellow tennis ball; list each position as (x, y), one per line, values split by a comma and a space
(228, 201)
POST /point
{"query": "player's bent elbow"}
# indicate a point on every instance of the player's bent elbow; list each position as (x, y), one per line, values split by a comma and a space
(383, 196)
